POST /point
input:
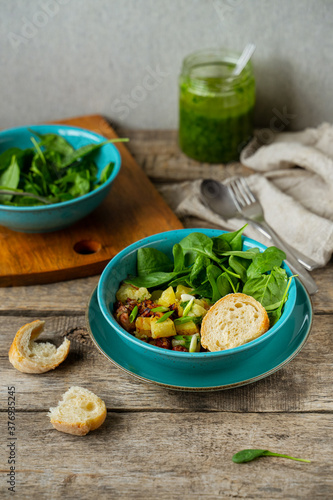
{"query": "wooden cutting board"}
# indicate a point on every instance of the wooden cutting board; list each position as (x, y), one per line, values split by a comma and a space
(132, 210)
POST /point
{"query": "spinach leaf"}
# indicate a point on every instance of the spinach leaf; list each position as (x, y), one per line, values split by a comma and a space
(178, 258)
(152, 280)
(240, 266)
(198, 243)
(224, 284)
(10, 178)
(198, 271)
(248, 455)
(268, 288)
(213, 272)
(151, 260)
(234, 239)
(249, 254)
(265, 261)
(204, 290)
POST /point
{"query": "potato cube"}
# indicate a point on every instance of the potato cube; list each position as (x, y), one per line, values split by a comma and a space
(167, 298)
(131, 292)
(164, 329)
(188, 328)
(197, 310)
(143, 326)
(182, 289)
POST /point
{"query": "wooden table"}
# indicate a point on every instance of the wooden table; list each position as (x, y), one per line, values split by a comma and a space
(158, 443)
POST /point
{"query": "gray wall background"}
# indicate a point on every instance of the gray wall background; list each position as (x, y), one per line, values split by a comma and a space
(122, 58)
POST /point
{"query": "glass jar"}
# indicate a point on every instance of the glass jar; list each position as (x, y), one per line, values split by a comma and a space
(215, 107)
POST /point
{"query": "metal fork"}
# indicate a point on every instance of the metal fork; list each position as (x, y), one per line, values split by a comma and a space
(252, 211)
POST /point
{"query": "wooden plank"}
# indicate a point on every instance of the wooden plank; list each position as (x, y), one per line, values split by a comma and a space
(72, 296)
(133, 210)
(303, 385)
(172, 456)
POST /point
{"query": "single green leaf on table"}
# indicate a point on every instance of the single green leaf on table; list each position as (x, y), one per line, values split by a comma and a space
(266, 261)
(10, 178)
(248, 455)
(151, 260)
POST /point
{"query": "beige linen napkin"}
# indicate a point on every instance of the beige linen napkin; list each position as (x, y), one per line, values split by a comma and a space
(294, 184)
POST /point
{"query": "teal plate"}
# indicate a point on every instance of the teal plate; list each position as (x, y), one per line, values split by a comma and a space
(276, 354)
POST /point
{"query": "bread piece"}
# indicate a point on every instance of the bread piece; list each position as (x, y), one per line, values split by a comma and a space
(232, 321)
(79, 412)
(28, 356)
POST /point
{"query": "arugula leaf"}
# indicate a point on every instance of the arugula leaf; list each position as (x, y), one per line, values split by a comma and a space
(78, 154)
(10, 178)
(266, 261)
(151, 260)
(54, 142)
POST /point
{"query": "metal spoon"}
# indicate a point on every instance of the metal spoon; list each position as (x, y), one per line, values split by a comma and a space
(29, 195)
(217, 197)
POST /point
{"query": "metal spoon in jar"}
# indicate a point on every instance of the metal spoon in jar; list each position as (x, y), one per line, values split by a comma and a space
(244, 59)
(218, 198)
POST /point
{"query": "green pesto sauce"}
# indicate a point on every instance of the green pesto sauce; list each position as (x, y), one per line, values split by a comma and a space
(215, 126)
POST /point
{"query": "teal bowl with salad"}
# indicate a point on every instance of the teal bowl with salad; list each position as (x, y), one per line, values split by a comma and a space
(155, 293)
(51, 176)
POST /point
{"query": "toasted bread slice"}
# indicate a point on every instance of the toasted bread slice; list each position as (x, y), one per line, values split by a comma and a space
(28, 356)
(79, 412)
(232, 321)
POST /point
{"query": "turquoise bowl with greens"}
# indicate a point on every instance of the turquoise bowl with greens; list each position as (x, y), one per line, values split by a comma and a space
(55, 216)
(124, 264)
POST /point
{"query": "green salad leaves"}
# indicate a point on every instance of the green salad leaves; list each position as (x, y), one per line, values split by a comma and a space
(51, 170)
(214, 267)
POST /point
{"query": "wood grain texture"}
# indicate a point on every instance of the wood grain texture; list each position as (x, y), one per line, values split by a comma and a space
(158, 443)
(72, 296)
(166, 456)
(303, 385)
(132, 210)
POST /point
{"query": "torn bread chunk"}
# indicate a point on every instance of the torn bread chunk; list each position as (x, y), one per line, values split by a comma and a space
(28, 356)
(79, 412)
